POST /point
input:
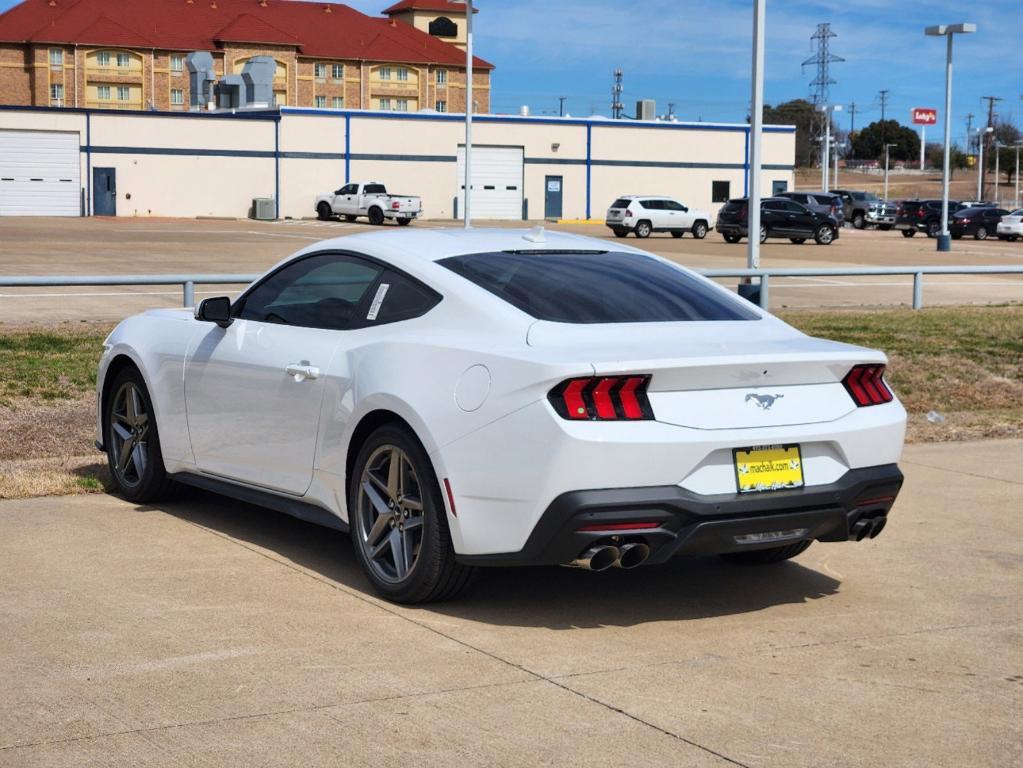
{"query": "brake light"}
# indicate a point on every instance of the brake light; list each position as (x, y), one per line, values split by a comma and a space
(743, 211)
(628, 213)
(866, 385)
(638, 525)
(920, 212)
(603, 398)
(395, 205)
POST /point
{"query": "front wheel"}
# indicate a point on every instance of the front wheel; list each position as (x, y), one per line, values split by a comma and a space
(763, 234)
(643, 229)
(399, 522)
(132, 440)
(700, 230)
(730, 238)
(908, 232)
(376, 216)
(981, 233)
(859, 221)
(323, 212)
(404, 221)
(798, 240)
(824, 235)
(933, 228)
(767, 556)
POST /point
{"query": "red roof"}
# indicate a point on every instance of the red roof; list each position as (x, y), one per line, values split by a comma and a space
(428, 5)
(314, 29)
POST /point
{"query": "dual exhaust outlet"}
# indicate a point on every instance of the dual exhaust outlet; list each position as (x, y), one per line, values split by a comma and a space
(867, 527)
(604, 556)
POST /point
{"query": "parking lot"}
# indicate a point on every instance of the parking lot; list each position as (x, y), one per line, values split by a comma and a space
(159, 246)
(208, 632)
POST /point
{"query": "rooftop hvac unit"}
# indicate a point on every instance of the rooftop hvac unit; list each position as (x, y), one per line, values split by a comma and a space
(201, 78)
(264, 209)
(258, 76)
(646, 109)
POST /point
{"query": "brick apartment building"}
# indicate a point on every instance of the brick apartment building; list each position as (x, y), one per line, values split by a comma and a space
(130, 55)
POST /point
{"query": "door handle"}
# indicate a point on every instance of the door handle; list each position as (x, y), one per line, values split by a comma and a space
(302, 371)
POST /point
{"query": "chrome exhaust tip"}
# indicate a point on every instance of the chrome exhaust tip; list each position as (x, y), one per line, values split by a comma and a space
(860, 530)
(598, 558)
(631, 555)
(878, 526)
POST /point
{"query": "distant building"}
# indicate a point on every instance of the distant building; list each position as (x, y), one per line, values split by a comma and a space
(120, 54)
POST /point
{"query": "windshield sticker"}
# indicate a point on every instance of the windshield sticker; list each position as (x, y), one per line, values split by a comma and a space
(374, 308)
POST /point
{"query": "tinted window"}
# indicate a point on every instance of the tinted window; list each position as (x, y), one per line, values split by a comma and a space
(621, 202)
(774, 205)
(652, 205)
(823, 199)
(596, 287)
(375, 189)
(398, 297)
(793, 207)
(720, 191)
(322, 291)
(349, 189)
(671, 205)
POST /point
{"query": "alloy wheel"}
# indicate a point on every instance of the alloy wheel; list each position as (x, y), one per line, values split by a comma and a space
(391, 515)
(129, 434)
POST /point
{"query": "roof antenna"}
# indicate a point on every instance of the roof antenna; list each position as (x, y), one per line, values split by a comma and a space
(536, 235)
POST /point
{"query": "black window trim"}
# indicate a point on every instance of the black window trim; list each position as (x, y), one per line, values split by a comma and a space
(238, 305)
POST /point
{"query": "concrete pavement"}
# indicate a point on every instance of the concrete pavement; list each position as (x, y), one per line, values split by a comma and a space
(207, 632)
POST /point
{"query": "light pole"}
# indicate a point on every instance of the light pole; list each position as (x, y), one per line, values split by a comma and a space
(827, 109)
(1016, 175)
(755, 136)
(467, 166)
(997, 145)
(949, 31)
(980, 161)
(886, 148)
(838, 145)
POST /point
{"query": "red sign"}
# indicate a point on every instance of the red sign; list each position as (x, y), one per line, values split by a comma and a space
(925, 116)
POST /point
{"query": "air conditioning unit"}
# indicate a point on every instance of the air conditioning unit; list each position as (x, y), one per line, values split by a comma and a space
(264, 209)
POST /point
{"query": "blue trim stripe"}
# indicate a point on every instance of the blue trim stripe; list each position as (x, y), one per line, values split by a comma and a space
(348, 149)
(185, 151)
(277, 168)
(88, 165)
(589, 168)
(745, 165)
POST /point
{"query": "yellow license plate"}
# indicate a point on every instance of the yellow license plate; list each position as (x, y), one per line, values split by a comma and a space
(768, 468)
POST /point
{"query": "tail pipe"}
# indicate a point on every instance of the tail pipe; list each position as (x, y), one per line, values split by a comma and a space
(631, 555)
(598, 558)
(867, 527)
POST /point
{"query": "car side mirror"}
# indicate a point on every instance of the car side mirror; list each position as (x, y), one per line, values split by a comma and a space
(684, 209)
(215, 310)
(337, 192)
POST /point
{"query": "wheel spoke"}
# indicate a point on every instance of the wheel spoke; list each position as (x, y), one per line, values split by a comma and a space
(412, 523)
(398, 554)
(377, 481)
(130, 406)
(393, 470)
(121, 432)
(411, 503)
(138, 458)
(378, 501)
(406, 548)
(378, 529)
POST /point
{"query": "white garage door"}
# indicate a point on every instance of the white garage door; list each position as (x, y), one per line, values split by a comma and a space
(40, 174)
(496, 182)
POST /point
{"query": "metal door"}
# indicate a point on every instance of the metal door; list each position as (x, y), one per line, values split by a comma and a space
(104, 191)
(552, 197)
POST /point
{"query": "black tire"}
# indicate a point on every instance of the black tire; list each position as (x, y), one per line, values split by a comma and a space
(1011, 238)
(767, 556)
(350, 217)
(700, 230)
(677, 233)
(434, 575)
(981, 233)
(884, 227)
(908, 232)
(323, 212)
(859, 220)
(376, 216)
(404, 222)
(620, 232)
(763, 234)
(643, 229)
(135, 441)
(798, 240)
(730, 238)
(933, 228)
(824, 235)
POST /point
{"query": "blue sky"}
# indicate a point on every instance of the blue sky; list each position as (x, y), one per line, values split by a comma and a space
(696, 53)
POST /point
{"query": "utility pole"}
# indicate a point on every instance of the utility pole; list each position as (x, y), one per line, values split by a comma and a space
(616, 96)
(883, 95)
(561, 106)
(969, 133)
(987, 144)
(852, 117)
(671, 110)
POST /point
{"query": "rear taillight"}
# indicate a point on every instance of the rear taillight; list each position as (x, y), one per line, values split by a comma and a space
(628, 213)
(920, 213)
(865, 384)
(603, 398)
(395, 205)
(743, 211)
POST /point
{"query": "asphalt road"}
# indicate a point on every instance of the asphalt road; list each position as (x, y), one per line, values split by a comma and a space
(154, 246)
(207, 632)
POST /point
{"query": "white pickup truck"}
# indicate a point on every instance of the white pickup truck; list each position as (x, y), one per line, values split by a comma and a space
(370, 200)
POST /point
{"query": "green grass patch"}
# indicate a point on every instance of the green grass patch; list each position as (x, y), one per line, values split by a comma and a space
(49, 364)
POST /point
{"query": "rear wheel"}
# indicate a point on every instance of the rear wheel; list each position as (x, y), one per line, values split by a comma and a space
(620, 232)
(798, 240)
(824, 235)
(981, 233)
(859, 221)
(323, 212)
(700, 230)
(132, 440)
(763, 233)
(404, 221)
(643, 229)
(766, 556)
(376, 216)
(399, 522)
(677, 233)
(730, 238)
(908, 232)
(933, 228)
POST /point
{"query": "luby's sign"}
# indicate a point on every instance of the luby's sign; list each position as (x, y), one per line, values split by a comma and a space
(925, 116)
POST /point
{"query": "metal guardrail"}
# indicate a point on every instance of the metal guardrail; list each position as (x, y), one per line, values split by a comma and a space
(763, 276)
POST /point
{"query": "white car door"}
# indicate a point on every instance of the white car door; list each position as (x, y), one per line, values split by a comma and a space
(684, 216)
(253, 390)
(343, 201)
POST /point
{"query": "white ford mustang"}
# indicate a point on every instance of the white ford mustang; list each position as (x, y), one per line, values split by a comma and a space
(505, 397)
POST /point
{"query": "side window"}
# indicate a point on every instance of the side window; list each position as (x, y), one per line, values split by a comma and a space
(671, 205)
(652, 205)
(349, 189)
(793, 207)
(398, 297)
(720, 191)
(321, 291)
(774, 205)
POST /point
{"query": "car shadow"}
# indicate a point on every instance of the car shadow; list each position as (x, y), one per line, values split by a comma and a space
(551, 597)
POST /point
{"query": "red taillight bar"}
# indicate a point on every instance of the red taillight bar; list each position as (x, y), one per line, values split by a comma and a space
(865, 384)
(603, 398)
(642, 525)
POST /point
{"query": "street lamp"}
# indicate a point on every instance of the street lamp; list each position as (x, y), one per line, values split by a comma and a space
(980, 161)
(1016, 175)
(838, 145)
(949, 31)
(886, 148)
(755, 138)
(827, 109)
(998, 195)
(467, 179)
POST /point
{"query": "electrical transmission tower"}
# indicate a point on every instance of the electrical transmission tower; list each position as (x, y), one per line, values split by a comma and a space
(616, 96)
(820, 86)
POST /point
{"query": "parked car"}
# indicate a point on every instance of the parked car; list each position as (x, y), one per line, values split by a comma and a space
(979, 222)
(865, 208)
(547, 431)
(644, 214)
(914, 216)
(822, 202)
(1011, 226)
(779, 217)
(370, 200)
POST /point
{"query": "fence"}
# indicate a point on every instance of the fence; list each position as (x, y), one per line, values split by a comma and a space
(763, 276)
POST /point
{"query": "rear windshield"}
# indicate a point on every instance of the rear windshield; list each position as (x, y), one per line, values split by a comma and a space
(375, 189)
(621, 202)
(733, 205)
(607, 287)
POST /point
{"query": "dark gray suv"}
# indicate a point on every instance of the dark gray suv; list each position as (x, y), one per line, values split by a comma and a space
(821, 202)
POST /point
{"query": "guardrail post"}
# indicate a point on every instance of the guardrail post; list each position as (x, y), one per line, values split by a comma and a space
(765, 287)
(918, 290)
(188, 294)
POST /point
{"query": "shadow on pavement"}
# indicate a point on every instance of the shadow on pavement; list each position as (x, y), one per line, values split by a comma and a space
(551, 597)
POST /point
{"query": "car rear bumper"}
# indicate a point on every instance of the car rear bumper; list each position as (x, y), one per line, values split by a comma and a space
(695, 524)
